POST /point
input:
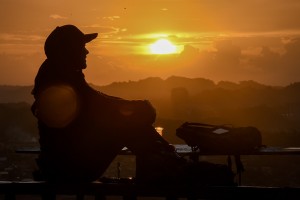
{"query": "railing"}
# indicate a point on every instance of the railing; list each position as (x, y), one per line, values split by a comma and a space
(186, 150)
(129, 190)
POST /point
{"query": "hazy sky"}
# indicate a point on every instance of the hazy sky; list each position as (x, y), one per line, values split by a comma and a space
(216, 39)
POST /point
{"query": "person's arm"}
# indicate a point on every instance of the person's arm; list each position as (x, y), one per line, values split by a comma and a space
(139, 111)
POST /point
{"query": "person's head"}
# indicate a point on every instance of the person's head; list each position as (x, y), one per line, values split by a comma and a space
(67, 44)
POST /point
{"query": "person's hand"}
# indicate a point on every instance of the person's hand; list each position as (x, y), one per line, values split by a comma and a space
(150, 111)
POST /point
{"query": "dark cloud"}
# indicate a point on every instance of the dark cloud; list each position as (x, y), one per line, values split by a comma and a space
(227, 53)
(189, 52)
(281, 68)
(226, 62)
(290, 61)
(292, 50)
(267, 60)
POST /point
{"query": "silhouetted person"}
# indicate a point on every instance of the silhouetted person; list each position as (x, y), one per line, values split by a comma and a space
(82, 130)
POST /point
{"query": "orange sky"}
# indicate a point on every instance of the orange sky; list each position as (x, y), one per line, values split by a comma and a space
(219, 39)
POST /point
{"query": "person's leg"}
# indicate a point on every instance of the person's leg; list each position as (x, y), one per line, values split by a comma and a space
(158, 162)
(156, 159)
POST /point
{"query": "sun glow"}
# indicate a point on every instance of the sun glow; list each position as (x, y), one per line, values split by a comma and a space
(163, 46)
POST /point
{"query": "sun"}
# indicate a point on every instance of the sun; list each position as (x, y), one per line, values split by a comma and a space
(162, 46)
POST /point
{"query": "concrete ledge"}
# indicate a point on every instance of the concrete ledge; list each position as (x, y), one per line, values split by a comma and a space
(11, 189)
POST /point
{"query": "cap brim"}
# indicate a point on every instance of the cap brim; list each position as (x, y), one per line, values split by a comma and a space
(89, 37)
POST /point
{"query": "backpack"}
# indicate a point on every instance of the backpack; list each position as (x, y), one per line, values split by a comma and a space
(220, 139)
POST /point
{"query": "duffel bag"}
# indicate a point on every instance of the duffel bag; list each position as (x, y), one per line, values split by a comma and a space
(222, 139)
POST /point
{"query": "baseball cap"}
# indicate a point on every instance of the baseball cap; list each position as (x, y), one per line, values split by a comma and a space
(66, 36)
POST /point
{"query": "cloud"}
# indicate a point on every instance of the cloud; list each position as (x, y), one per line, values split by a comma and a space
(57, 17)
(112, 18)
(101, 29)
(16, 38)
(12, 43)
(227, 62)
(223, 62)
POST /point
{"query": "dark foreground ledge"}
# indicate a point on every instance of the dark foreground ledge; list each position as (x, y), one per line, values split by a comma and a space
(100, 190)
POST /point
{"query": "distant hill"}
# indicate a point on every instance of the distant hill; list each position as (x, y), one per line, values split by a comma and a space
(154, 87)
(15, 94)
(198, 99)
(149, 88)
(157, 88)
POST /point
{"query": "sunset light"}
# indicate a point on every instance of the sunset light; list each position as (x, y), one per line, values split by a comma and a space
(162, 46)
(214, 40)
(119, 92)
